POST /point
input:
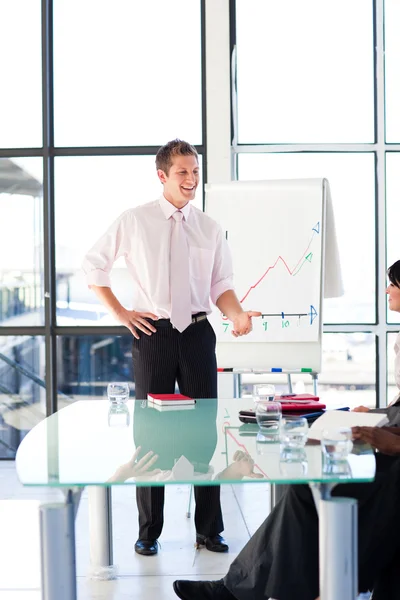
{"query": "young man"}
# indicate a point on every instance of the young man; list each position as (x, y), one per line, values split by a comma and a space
(178, 259)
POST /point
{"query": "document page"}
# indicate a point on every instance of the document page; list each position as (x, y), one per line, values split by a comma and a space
(338, 418)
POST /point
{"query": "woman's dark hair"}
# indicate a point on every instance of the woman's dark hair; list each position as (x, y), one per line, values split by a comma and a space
(393, 273)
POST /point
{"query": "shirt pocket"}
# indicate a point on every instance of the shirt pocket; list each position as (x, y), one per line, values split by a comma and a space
(201, 262)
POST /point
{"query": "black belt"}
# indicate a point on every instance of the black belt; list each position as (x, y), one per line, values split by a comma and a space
(201, 316)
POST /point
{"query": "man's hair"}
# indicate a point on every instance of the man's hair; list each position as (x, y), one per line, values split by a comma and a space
(174, 148)
(393, 273)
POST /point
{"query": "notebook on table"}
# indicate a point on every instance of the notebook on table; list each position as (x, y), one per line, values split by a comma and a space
(170, 400)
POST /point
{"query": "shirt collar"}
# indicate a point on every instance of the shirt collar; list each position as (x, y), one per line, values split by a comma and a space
(168, 209)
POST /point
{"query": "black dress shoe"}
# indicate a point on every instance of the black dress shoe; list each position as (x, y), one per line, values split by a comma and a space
(146, 547)
(202, 590)
(216, 543)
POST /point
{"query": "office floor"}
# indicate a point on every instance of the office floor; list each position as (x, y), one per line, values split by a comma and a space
(147, 578)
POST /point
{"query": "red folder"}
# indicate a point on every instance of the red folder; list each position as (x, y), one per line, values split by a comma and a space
(300, 403)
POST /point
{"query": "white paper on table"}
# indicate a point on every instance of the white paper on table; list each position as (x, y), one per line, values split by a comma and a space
(339, 418)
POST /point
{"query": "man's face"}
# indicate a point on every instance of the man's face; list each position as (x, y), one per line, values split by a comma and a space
(182, 180)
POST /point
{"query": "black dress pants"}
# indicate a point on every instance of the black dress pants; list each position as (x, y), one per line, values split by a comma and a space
(159, 361)
(281, 559)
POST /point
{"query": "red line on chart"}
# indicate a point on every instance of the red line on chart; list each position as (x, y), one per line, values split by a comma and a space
(245, 449)
(280, 258)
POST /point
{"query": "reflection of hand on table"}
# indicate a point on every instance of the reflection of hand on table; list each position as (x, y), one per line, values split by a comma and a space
(135, 469)
(243, 466)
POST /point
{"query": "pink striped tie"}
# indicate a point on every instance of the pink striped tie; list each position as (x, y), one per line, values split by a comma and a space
(181, 310)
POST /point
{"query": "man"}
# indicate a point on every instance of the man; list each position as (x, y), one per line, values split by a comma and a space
(178, 258)
(281, 559)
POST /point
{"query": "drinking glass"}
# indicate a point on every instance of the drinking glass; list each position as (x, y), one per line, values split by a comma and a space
(336, 444)
(268, 416)
(118, 392)
(293, 469)
(118, 415)
(263, 392)
(293, 437)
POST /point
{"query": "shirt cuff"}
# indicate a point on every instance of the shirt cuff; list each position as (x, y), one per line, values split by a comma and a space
(98, 277)
(219, 288)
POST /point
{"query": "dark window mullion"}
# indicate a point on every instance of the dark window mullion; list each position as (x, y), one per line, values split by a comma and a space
(48, 206)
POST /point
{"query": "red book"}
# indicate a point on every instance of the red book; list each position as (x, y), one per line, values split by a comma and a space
(170, 399)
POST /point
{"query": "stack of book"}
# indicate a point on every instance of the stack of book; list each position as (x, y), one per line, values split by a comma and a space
(164, 402)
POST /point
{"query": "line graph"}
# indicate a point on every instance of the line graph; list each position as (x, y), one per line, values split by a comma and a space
(306, 256)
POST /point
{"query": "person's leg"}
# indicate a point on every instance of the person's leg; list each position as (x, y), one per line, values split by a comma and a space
(279, 561)
(197, 378)
(154, 367)
(378, 525)
(281, 558)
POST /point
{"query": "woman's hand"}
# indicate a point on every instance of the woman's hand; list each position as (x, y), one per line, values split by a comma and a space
(378, 438)
(244, 465)
(134, 469)
(360, 409)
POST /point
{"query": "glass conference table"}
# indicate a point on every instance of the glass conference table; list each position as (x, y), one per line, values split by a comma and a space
(92, 443)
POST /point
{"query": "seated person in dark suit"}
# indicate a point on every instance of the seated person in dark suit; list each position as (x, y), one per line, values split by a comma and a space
(281, 559)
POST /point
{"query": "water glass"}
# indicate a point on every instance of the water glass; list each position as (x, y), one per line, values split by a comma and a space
(118, 415)
(118, 392)
(293, 437)
(263, 392)
(268, 416)
(293, 469)
(336, 444)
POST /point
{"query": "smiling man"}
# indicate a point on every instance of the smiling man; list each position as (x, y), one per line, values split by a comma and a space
(178, 259)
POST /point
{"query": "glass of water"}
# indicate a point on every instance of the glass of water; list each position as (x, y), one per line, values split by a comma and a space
(268, 416)
(263, 392)
(293, 437)
(336, 444)
(118, 415)
(118, 392)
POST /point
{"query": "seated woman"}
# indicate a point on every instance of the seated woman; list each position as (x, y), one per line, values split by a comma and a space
(281, 559)
(393, 292)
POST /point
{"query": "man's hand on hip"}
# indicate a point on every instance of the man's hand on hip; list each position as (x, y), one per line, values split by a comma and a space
(135, 321)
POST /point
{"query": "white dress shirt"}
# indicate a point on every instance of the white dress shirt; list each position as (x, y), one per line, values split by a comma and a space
(142, 235)
(397, 366)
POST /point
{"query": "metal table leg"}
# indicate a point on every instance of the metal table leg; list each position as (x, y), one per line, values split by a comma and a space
(100, 533)
(338, 549)
(57, 548)
(277, 491)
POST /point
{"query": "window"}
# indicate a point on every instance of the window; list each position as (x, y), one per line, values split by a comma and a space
(392, 216)
(22, 389)
(21, 242)
(305, 71)
(392, 57)
(88, 363)
(21, 93)
(132, 74)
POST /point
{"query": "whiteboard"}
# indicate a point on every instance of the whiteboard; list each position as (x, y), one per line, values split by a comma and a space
(275, 230)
